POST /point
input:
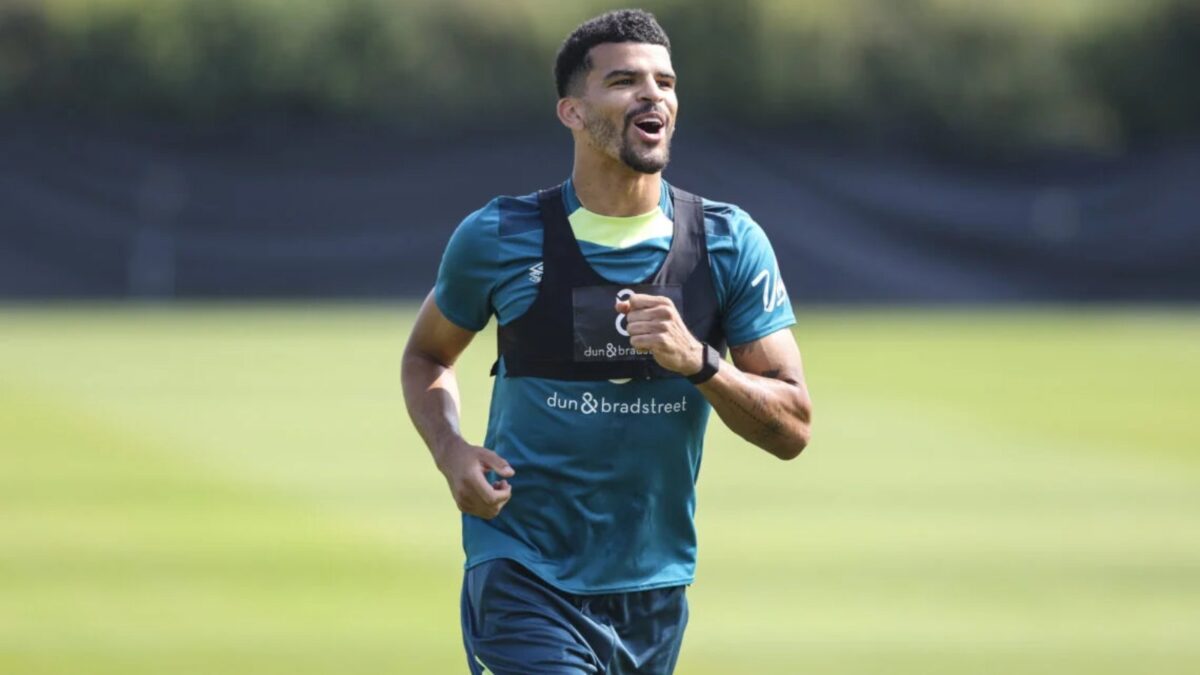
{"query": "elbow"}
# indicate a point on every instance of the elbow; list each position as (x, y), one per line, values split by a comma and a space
(792, 449)
(408, 364)
(413, 359)
(789, 446)
(418, 370)
(801, 434)
(412, 353)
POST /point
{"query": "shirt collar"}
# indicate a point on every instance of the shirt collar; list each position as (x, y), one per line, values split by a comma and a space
(571, 201)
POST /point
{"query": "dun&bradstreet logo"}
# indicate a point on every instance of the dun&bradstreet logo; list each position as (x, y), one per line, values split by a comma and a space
(612, 351)
(590, 405)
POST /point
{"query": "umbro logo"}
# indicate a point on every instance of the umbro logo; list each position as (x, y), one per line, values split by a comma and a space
(535, 274)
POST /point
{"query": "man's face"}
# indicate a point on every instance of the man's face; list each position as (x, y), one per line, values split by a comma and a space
(629, 104)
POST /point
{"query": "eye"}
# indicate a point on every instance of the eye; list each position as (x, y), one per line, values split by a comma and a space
(666, 84)
(624, 80)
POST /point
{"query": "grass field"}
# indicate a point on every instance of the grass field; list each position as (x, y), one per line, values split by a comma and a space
(216, 489)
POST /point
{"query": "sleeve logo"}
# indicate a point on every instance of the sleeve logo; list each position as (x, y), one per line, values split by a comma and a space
(774, 295)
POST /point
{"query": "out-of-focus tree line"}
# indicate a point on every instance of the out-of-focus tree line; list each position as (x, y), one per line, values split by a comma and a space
(1095, 75)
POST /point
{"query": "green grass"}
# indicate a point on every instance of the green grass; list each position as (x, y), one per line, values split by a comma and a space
(218, 489)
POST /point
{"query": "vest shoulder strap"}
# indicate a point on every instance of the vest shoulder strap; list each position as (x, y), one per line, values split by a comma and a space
(541, 342)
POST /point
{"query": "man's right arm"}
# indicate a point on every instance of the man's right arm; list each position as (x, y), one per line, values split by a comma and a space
(431, 395)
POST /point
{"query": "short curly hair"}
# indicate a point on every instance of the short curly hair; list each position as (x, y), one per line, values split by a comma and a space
(623, 25)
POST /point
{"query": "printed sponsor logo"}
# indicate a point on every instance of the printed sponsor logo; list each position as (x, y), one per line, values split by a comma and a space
(613, 351)
(774, 295)
(535, 274)
(590, 404)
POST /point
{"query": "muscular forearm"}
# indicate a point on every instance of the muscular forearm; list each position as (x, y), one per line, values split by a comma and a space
(771, 410)
(431, 396)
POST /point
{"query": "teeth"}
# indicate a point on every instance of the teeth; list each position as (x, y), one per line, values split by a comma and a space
(650, 120)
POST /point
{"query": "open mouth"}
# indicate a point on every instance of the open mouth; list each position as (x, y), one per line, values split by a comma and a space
(650, 126)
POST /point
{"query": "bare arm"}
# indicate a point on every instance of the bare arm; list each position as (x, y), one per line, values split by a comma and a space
(762, 397)
(431, 395)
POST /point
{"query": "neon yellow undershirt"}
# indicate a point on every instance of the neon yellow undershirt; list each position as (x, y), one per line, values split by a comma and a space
(619, 232)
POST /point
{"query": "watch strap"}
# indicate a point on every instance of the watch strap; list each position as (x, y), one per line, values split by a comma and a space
(710, 363)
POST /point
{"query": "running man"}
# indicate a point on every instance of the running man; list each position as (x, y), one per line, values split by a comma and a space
(616, 297)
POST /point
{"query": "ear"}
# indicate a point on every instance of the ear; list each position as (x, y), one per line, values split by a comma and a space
(570, 112)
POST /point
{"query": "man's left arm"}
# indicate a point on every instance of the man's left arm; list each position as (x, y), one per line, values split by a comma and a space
(762, 396)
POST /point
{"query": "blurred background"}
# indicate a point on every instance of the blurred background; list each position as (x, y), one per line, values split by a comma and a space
(217, 217)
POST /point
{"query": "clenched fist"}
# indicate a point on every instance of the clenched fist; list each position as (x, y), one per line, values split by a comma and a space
(464, 466)
(654, 324)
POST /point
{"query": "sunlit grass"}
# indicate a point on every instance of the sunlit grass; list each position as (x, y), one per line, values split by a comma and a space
(237, 490)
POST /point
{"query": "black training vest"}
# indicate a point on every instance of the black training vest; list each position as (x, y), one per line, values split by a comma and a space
(572, 331)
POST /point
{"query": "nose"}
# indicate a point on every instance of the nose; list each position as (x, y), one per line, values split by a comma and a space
(651, 92)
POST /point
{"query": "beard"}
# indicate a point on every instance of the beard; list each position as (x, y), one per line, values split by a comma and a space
(607, 137)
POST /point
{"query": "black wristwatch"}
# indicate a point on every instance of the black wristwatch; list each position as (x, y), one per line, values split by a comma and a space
(711, 362)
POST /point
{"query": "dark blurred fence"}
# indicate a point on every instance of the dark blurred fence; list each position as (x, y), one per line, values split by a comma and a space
(267, 211)
(128, 166)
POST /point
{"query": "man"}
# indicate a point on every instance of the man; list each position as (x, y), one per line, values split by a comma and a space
(616, 295)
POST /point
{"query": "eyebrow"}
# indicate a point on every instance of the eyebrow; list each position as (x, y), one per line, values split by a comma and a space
(633, 73)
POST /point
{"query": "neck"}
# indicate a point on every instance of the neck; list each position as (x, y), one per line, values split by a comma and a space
(610, 188)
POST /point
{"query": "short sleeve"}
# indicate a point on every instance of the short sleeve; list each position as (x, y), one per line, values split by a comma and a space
(467, 274)
(757, 302)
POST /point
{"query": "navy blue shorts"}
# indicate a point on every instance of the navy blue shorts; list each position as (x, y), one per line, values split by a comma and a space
(514, 623)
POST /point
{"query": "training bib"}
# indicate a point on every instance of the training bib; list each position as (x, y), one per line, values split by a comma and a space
(601, 332)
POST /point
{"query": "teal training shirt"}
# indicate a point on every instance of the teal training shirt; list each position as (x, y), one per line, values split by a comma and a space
(604, 492)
